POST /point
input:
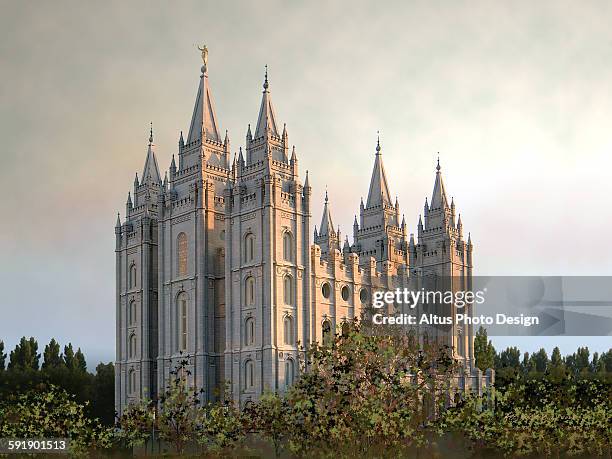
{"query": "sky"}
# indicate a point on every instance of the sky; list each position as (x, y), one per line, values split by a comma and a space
(514, 96)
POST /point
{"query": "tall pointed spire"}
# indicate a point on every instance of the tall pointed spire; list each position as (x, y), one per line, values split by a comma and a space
(204, 119)
(327, 225)
(266, 122)
(438, 197)
(379, 189)
(150, 171)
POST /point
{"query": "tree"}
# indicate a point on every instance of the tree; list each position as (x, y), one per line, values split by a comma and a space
(68, 356)
(25, 356)
(539, 361)
(484, 352)
(51, 413)
(270, 417)
(2, 356)
(52, 358)
(103, 394)
(555, 358)
(222, 427)
(79, 361)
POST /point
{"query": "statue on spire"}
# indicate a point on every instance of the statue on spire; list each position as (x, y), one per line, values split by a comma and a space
(204, 51)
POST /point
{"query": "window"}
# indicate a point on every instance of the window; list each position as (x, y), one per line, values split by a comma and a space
(182, 321)
(132, 346)
(249, 291)
(133, 275)
(132, 313)
(460, 344)
(288, 290)
(249, 374)
(131, 382)
(289, 372)
(326, 290)
(327, 336)
(249, 332)
(287, 246)
(346, 293)
(363, 295)
(288, 329)
(181, 248)
(249, 248)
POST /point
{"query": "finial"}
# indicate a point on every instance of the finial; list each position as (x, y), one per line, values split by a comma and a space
(377, 141)
(438, 166)
(151, 134)
(326, 197)
(266, 79)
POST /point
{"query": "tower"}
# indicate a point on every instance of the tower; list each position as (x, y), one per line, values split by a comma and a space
(267, 261)
(442, 256)
(327, 237)
(379, 233)
(191, 249)
(137, 288)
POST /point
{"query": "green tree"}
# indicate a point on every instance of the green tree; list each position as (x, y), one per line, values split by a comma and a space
(103, 393)
(509, 358)
(79, 361)
(484, 352)
(52, 413)
(2, 356)
(270, 417)
(51, 356)
(221, 427)
(555, 358)
(68, 357)
(25, 355)
(539, 361)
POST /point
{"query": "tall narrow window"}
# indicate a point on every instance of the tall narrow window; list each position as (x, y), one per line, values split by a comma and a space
(131, 382)
(249, 248)
(289, 372)
(133, 276)
(181, 249)
(249, 332)
(287, 246)
(288, 290)
(288, 329)
(182, 322)
(132, 313)
(327, 334)
(460, 344)
(249, 291)
(249, 374)
(132, 346)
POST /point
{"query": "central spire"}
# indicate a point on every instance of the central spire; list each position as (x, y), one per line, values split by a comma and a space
(327, 225)
(266, 122)
(204, 120)
(379, 189)
(438, 197)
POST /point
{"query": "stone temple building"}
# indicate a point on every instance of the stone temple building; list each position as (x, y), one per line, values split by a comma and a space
(218, 259)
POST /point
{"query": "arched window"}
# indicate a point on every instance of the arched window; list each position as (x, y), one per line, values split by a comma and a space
(346, 293)
(327, 332)
(131, 382)
(132, 346)
(363, 295)
(249, 332)
(249, 374)
(326, 290)
(249, 290)
(287, 246)
(460, 344)
(181, 249)
(289, 372)
(182, 321)
(132, 313)
(249, 248)
(288, 329)
(133, 275)
(288, 289)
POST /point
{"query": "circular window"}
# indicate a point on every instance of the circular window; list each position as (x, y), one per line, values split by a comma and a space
(345, 293)
(363, 295)
(326, 290)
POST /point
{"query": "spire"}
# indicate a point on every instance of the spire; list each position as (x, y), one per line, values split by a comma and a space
(136, 181)
(293, 156)
(438, 197)
(204, 119)
(118, 224)
(315, 232)
(150, 170)
(181, 140)
(327, 225)
(266, 122)
(129, 199)
(379, 190)
(306, 182)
